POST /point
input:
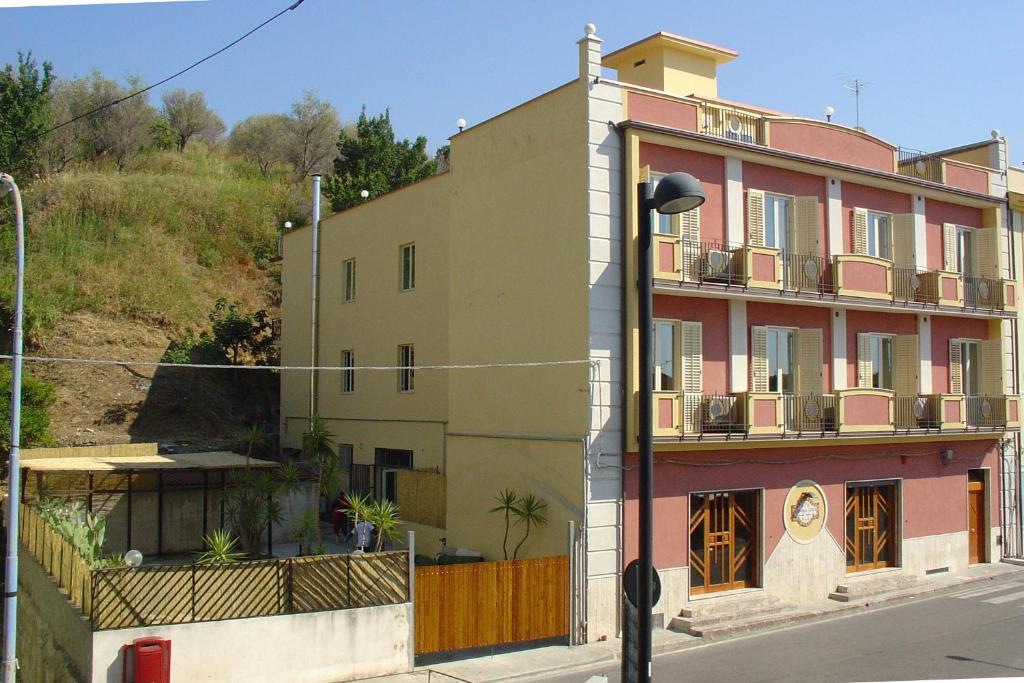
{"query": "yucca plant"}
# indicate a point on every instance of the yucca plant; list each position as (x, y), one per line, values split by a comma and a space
(529, 511)
(383, 515)
(220, 547)
(507, 499)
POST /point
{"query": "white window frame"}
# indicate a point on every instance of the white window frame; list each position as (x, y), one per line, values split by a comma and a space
(878, 342)
(768, 332)
(772, 215)
(348, 280)
(965, 258)
(348, 377)
(407, 269)
(968, 386)
(657, 384)
(407, 371)
(876, 239)
(663, 223)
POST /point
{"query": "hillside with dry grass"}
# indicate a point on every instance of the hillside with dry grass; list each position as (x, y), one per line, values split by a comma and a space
(120, 262)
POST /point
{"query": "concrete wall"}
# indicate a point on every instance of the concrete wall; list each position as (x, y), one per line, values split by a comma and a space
(321, 647)
(53, 637)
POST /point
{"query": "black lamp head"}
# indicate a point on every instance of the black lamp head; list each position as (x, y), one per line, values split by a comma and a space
(676, 193)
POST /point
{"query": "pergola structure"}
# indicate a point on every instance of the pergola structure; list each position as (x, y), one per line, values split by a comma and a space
(84, 477)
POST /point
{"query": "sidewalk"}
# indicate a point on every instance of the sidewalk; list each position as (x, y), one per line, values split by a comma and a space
(541, 660)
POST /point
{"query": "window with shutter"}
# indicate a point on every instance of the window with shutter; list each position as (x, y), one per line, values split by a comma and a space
(985, 257)
(906, 365)
(949, 247)
(758, 360)
(859, 231)
(805, 238)
(693, 357)
(755, 218)
(864, 378)
(666, 376)
(903, 240)
(809, 363)
(990, 353)
(689, 233)
(956, 385)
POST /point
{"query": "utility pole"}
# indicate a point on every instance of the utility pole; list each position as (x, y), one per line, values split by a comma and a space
(10, 663)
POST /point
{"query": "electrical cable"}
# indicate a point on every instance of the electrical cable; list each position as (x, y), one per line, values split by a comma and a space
(329, 368)
(169, 78)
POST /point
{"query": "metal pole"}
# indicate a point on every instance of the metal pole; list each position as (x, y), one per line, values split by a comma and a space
(10, 663)
(411, 542)
(645, 471)
(314, 355)
(570, 548)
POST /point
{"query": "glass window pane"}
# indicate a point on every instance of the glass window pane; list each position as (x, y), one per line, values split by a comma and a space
(664, 225)
(769, 221)
(773, 360)
(786, 361)
(782, 222)
(886, 369)
(883, 236)
(664, 361)
(971, 375)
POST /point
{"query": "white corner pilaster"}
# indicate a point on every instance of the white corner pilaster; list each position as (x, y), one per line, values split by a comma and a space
(838, 349)
(924, 353)
(590, 55)
(834, 188)
(737, 345)
(920, 238)
(734, 202)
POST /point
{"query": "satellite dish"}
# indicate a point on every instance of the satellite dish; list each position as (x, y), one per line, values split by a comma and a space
(132, 558)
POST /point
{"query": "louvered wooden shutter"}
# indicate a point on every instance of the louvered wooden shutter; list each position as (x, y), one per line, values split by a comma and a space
(903, 240)
(905, 365)
(985, 258)
(956, 384)
(688, 228)
(809, 362)
(805, 221)
(693, 357)
(948, 247)
(859, 231)
(989, 353)
(755, 218)
(758, 359)
(864, 378)
(645, 174)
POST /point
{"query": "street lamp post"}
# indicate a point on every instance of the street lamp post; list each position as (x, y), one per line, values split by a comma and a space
(675, 193)
(10, 662)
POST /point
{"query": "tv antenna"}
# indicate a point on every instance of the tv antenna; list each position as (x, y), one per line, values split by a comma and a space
(855, 88)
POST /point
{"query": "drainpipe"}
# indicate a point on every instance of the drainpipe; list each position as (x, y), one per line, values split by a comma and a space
(10, 662)
(314, 288)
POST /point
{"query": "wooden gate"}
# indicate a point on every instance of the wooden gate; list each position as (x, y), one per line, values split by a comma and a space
(870, 526)
(461, 606)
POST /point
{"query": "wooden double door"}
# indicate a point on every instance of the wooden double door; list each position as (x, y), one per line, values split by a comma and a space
(724, 532)
(870, 526)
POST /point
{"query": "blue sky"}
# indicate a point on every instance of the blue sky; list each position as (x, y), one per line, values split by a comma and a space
(940, 73)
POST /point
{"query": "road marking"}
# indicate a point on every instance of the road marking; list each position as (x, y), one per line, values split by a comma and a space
(1005, 598)
(991, 589)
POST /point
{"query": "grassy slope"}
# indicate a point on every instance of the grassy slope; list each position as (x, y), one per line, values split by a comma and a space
(156, 243)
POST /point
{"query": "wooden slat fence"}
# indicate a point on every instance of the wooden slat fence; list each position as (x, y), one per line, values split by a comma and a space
(491, 603)
(154, 595)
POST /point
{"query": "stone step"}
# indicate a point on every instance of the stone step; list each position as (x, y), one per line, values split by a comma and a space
(759, 622)
(858, 588)
(735, 605)
(683, 623)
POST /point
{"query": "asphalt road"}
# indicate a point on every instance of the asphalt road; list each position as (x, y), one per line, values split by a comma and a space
(973, 633)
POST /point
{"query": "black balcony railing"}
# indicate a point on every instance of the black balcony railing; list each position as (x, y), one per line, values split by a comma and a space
(982, 292)
(712, 414)
(806, 273)
(910, 285)
(918, 412)
(809, 413)
(986, 411)
(916, 164)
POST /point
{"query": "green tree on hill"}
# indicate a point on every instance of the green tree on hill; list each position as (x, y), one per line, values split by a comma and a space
(188, 114)
(36, 399)
(373, 160)
(24, 96)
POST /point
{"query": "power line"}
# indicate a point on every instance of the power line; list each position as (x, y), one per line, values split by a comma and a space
(329, 368)
(169, 78)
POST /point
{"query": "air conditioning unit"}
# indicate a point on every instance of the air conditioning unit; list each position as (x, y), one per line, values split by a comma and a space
(718, 413)
(715, 265)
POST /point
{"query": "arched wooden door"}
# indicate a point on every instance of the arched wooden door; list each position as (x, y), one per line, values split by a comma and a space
(724, 530)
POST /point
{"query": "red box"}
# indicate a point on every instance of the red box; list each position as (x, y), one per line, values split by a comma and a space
(151, 661)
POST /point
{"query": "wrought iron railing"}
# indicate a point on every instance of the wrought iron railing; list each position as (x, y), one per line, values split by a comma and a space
(916, 164)
(731, 123)
(712, 414)
(806, 273)
(982, 292)
(986, 411)
(809, 413)
(909, 285)
(918, 412)
(712, 262)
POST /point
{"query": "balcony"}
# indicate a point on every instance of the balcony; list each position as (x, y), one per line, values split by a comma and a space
(855, 278)
(731, 123)
(847, 412)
